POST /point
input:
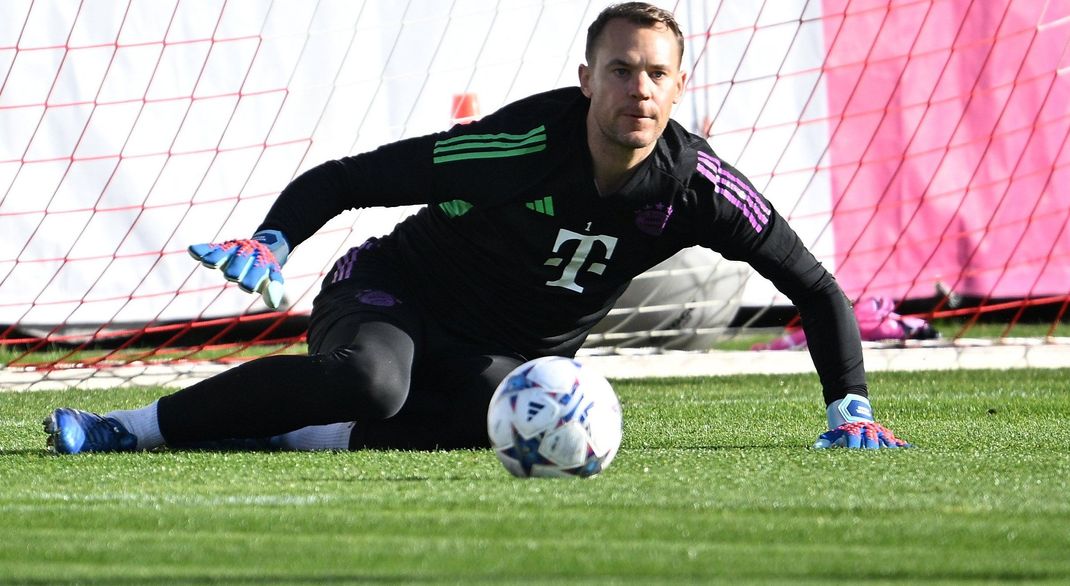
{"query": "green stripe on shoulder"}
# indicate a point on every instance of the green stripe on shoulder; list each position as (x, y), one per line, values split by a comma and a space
(489, 146)
(489, 154)
(541, 129)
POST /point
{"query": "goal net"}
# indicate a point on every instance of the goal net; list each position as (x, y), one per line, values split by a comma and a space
(917, 147)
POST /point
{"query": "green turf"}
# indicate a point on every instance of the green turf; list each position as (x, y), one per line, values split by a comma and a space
(714, 483)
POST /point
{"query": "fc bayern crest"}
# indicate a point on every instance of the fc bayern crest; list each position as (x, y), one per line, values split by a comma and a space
(377, 298)
(652, 219)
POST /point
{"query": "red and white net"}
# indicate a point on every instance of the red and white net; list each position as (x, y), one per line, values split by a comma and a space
(918, 147)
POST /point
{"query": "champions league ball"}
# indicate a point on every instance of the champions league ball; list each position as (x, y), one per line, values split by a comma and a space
(554, 417)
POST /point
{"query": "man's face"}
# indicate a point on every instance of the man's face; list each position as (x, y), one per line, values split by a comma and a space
(633, 81)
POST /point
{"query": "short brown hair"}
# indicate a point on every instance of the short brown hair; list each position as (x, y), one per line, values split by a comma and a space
(639, 13)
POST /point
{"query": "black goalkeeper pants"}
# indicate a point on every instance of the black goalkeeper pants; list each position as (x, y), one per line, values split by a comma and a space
(375, 357)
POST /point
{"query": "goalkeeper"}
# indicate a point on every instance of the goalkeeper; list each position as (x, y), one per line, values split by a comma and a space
(537, 218)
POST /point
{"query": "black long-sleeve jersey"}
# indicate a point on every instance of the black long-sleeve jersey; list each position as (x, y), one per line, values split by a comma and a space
(517, 245)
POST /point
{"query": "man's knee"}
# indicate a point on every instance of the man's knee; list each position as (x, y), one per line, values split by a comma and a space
(375, 386)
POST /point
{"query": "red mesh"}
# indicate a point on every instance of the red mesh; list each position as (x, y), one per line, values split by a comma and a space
(946, 124)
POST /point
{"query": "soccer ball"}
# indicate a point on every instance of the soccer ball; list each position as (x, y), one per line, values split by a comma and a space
(554, 417)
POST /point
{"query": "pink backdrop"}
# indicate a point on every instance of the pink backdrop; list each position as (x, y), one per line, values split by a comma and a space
(948, 146)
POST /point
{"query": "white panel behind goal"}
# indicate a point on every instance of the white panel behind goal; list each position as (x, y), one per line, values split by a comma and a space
(132, 130)
(916, 147)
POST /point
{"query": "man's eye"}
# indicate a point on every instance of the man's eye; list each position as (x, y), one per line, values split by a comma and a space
(657, 75)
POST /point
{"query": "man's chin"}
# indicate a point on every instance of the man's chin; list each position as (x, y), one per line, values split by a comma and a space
(636, 140)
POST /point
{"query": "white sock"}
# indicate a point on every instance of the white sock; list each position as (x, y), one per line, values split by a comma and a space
(333, 436)
(143, 424)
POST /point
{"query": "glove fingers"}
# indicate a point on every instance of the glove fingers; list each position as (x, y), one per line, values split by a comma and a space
(253, 279)
(271, 291)
(870, 441)
(888, 440)
(250, 264)
(236, 268)
(258, 277)
(829, 439)
(895, 442)
(198, 251)
(210, 255)
(854, 440)
(860, 435)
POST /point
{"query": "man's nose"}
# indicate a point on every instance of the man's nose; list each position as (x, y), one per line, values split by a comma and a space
(642, 86)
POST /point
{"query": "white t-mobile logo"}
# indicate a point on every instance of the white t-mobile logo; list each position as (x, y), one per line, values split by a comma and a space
(583, 250)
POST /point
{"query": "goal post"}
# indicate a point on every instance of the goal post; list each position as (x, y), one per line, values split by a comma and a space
(917, 146)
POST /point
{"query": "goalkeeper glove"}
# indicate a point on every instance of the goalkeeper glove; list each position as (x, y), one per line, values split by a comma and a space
(254, 264)
(851, 425)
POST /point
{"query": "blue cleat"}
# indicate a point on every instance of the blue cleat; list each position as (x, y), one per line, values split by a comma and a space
(72, 431)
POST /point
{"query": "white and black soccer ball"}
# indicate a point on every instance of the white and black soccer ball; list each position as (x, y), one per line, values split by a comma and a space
(553, 416)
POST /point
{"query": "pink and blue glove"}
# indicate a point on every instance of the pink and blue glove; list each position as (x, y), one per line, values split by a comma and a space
(851, 425)
(254, 264)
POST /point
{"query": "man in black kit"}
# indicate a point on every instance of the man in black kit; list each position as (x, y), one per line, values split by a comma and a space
(537, 218)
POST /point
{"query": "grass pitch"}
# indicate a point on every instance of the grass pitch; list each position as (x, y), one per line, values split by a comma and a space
(714, 483)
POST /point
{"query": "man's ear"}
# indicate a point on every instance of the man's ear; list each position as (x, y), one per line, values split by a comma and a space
(681, 88)
(585, 79)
